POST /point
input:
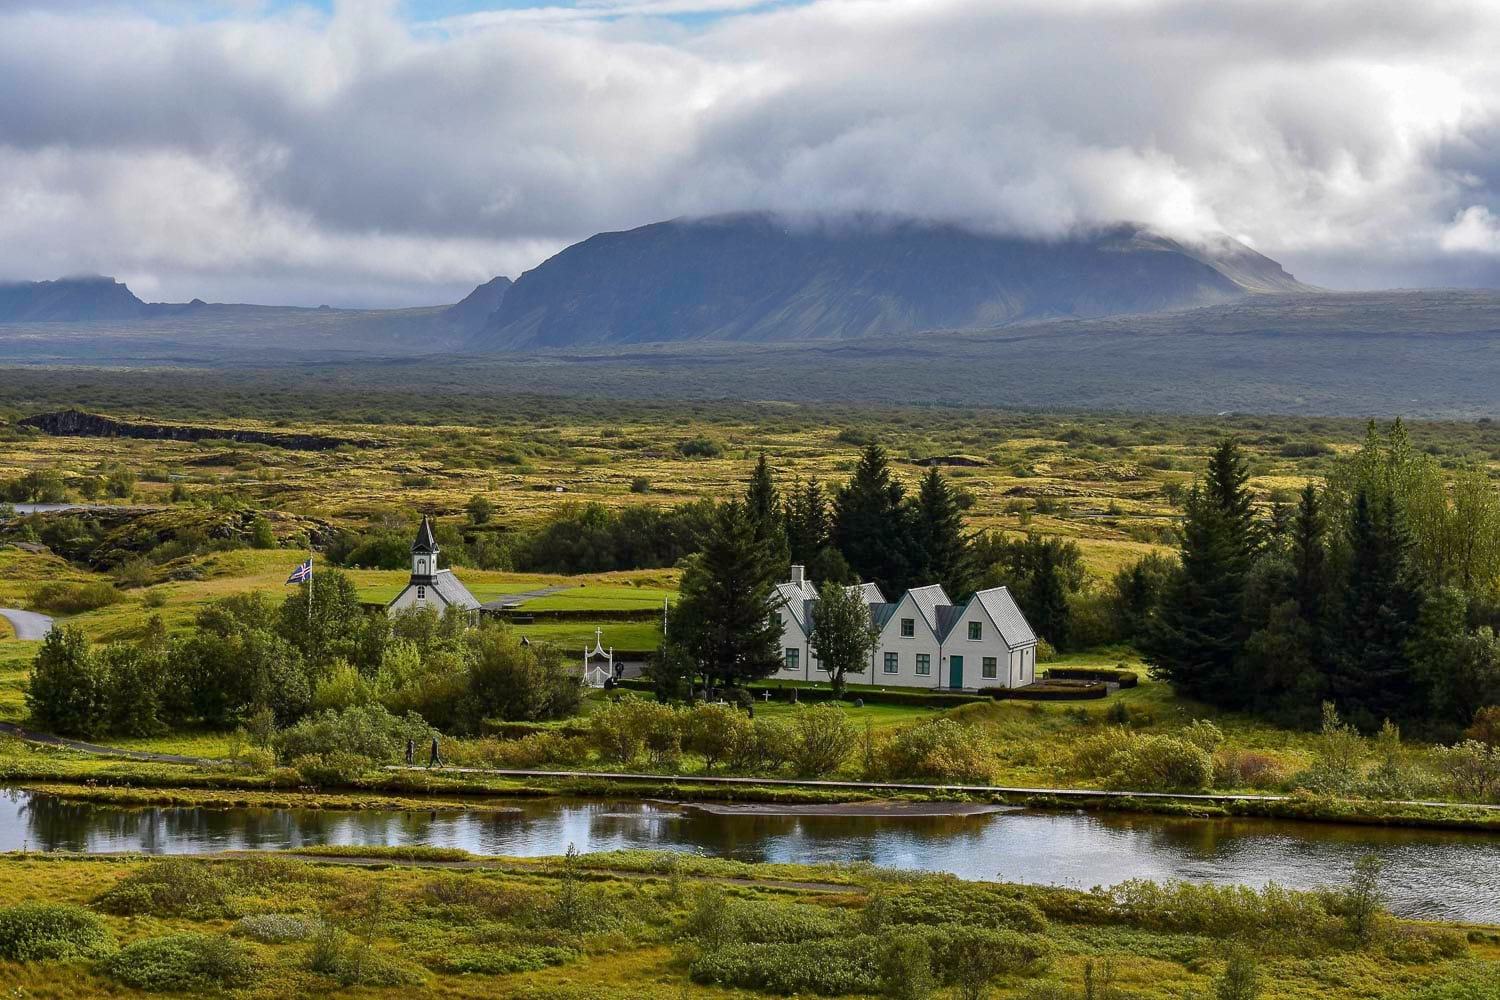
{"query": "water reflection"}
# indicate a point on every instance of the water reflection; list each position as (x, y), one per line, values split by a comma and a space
(1432, 874)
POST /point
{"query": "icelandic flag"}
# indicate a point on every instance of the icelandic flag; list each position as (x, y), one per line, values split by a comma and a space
(302, 573)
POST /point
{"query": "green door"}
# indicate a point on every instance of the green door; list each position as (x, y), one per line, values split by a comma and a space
(955, 671)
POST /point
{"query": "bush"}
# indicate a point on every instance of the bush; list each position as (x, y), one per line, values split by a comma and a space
(541, 749)
(60, 931)
(365, 731)
(940, 750)
(969, 958)
(766, 746)
(701, 446)
(949, 901)
(1486, 727)
(1248, 769)
(715, 732)
(823, 738)
(199, 962)
(1127, 760)
(169, 887)
(906, 968)
(826, 967)
(74, 598)
(332, 769)
(354, 962)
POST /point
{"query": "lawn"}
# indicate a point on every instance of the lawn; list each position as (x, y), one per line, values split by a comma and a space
(571, 636)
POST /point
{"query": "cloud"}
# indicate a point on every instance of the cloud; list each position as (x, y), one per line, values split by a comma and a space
(280, 153)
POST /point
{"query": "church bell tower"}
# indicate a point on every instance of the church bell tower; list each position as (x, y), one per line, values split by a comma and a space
(424, 555)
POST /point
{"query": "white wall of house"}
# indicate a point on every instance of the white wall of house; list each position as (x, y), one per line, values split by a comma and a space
(907, 653)
(986, 658)
(416, 597)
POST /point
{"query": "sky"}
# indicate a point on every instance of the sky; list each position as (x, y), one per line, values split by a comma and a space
(386, 153)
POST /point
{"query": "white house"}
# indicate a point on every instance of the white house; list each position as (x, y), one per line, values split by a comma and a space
(429, 586)
(925, 640)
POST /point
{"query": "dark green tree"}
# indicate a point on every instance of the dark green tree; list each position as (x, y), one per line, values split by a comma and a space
(1042, 571)
(872, 524)
(722, 621)
(1226, 487)
(1371, 675)
(808, 526)
(69, 687)
(940, 549)
(1137, 593)
(763, 505)
(1194, 641)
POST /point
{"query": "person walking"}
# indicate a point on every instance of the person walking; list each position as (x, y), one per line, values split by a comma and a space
(411, 752)
(436, 760)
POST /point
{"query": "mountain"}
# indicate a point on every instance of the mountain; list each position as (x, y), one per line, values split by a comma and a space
(68, 300)
(475, 309)
(755, 277)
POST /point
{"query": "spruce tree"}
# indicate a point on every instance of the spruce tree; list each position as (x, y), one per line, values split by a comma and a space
(1371, 677)
(1226, 488)
(763, 506)
(940, 550)
(1194, 642)
(872, 525)
(807, 522)
(722, 620)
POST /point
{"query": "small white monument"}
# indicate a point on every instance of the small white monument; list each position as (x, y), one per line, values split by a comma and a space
(595, 673)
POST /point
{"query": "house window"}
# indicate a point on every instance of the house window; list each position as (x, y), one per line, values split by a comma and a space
(421, 593)
(908, 627)
(924, 664)
(776, 617)
(976, 630)
(988, 667)
(792, 655)
(892, 663)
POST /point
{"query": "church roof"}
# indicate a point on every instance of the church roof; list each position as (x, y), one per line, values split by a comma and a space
(425, 542)
(453, 593)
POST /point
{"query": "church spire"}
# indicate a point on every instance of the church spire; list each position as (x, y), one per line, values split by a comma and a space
(425, 541)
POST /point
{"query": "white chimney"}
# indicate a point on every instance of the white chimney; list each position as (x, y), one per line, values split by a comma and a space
(799, 574)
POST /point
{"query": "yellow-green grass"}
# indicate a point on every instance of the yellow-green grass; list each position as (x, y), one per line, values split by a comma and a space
(880, 717)
(632, 958)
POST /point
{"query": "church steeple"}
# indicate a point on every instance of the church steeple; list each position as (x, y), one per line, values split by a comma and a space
(424, 554)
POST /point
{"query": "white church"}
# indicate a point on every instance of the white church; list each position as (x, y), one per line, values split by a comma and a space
(925, 641)
(429, 586)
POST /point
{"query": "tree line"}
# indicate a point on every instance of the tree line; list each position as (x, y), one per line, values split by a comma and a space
(1377, 592)
(249, 661)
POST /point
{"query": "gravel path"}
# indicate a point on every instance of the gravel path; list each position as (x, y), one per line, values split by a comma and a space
(500, 603)
(28, 624)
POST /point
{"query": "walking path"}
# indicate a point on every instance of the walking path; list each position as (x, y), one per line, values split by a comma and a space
(10, 729)
(502, 603)
(28, 624)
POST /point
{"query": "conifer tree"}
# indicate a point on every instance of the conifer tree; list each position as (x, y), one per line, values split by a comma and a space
(940, 550)
(722, 621)
(872, 524)
(808, 526)
(763, 506)
(1196, 640)
(1371, 671)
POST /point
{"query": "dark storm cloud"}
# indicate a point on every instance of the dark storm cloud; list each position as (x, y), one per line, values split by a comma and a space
(268, 156)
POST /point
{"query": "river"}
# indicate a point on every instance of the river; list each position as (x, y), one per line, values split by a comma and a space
(1429, 874)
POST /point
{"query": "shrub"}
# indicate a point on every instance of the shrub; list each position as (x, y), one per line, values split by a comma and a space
(823, 738)
(828, 967)
(906, 968)
(1471, 770)
(492, 962)
(332, 769)
(539, 749)
(366, 731)
(199, 962)
(74, 598)
(169, 887)
(715, 731)
(969, 958)
(60, 931)
(1128, 760)
(766, 746)
(941, 750)
(701, 446)
(1247, 768)
(950, 901)
(1204, 735)
(1486, 727)
(354, 961)
(626, 727)
(1054, 691)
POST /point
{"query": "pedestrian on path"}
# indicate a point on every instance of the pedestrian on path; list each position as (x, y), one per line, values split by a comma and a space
(436, 760)
(411, 752)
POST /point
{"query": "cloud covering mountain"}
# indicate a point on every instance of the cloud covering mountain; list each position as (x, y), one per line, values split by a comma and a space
(384, 155)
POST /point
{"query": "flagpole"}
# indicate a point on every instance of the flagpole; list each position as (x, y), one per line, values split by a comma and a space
(309, 580)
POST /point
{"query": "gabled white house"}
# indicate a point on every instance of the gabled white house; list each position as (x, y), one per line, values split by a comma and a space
(925, 640)
(429, 586)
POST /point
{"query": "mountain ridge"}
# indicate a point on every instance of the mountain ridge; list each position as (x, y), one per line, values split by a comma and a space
(756, 277)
